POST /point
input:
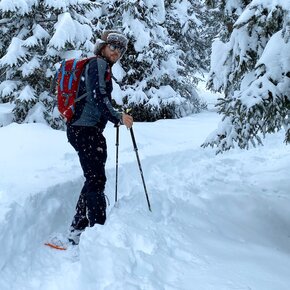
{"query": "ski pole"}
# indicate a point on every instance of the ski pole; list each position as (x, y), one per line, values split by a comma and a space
(140, 168)
(117, 162)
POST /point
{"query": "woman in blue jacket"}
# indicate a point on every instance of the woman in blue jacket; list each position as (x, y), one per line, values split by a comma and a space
(85, 130)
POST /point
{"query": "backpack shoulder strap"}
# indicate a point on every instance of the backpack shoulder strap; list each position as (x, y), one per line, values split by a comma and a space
(86, 67)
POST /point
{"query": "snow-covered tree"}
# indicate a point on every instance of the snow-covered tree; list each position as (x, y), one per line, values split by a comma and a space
(223, 14)
(165, 51)
(35, 35)
(253, 71)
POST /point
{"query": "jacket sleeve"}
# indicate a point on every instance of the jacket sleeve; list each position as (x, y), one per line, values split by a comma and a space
(96, 82)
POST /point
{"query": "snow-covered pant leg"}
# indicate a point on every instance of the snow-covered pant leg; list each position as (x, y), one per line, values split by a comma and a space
(91, 147)
(80, 220)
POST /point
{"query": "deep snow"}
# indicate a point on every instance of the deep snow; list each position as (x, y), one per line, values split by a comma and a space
(217, 222)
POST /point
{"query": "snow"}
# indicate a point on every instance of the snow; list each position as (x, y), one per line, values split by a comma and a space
(252, 72)
(77, 32)
(271, 3)
(28, 68)
(210, 98)
(63, 4)
(218, 221)
(217, 61)
(166, 93)
(234, 7)
(14, 52)
(275, 58)
(21, 6)
(7, 87)
(181, 12)
(39, 33)
(157, 9)
(27, 94)
(6, 115)
(276, 49)
(139, 31)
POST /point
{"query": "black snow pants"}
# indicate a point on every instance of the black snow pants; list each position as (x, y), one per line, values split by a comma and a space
(91, 147)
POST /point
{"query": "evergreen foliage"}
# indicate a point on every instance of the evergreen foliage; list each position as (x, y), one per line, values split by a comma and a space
(35, 35)
(166, 50)
(252, 69)
(168, 46)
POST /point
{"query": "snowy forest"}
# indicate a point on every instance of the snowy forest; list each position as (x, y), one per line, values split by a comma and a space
(207, 82)
(241, 45)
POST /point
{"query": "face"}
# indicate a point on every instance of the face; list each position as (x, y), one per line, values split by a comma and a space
(112, 53)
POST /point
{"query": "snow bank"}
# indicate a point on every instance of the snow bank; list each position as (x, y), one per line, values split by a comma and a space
(217, 222)
(6, 116)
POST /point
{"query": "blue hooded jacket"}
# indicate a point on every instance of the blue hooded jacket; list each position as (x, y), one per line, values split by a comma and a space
(96, 108)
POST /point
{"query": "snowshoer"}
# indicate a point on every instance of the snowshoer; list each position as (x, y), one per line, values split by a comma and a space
(85, 130)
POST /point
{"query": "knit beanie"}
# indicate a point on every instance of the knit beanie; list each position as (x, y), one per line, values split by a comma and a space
(110, 37)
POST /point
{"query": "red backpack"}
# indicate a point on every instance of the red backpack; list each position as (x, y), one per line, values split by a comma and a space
(68, 80)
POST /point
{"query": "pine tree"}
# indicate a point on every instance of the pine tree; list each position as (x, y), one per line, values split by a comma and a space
(35, 35)
(165, 51)
(252, 69)
(222, 15)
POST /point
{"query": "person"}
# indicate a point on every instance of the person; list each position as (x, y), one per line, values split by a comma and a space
(85, 130)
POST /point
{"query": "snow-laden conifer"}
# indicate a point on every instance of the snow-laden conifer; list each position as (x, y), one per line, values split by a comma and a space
(165, 51)
(35, 35)
(222, 14)
(252, 69)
